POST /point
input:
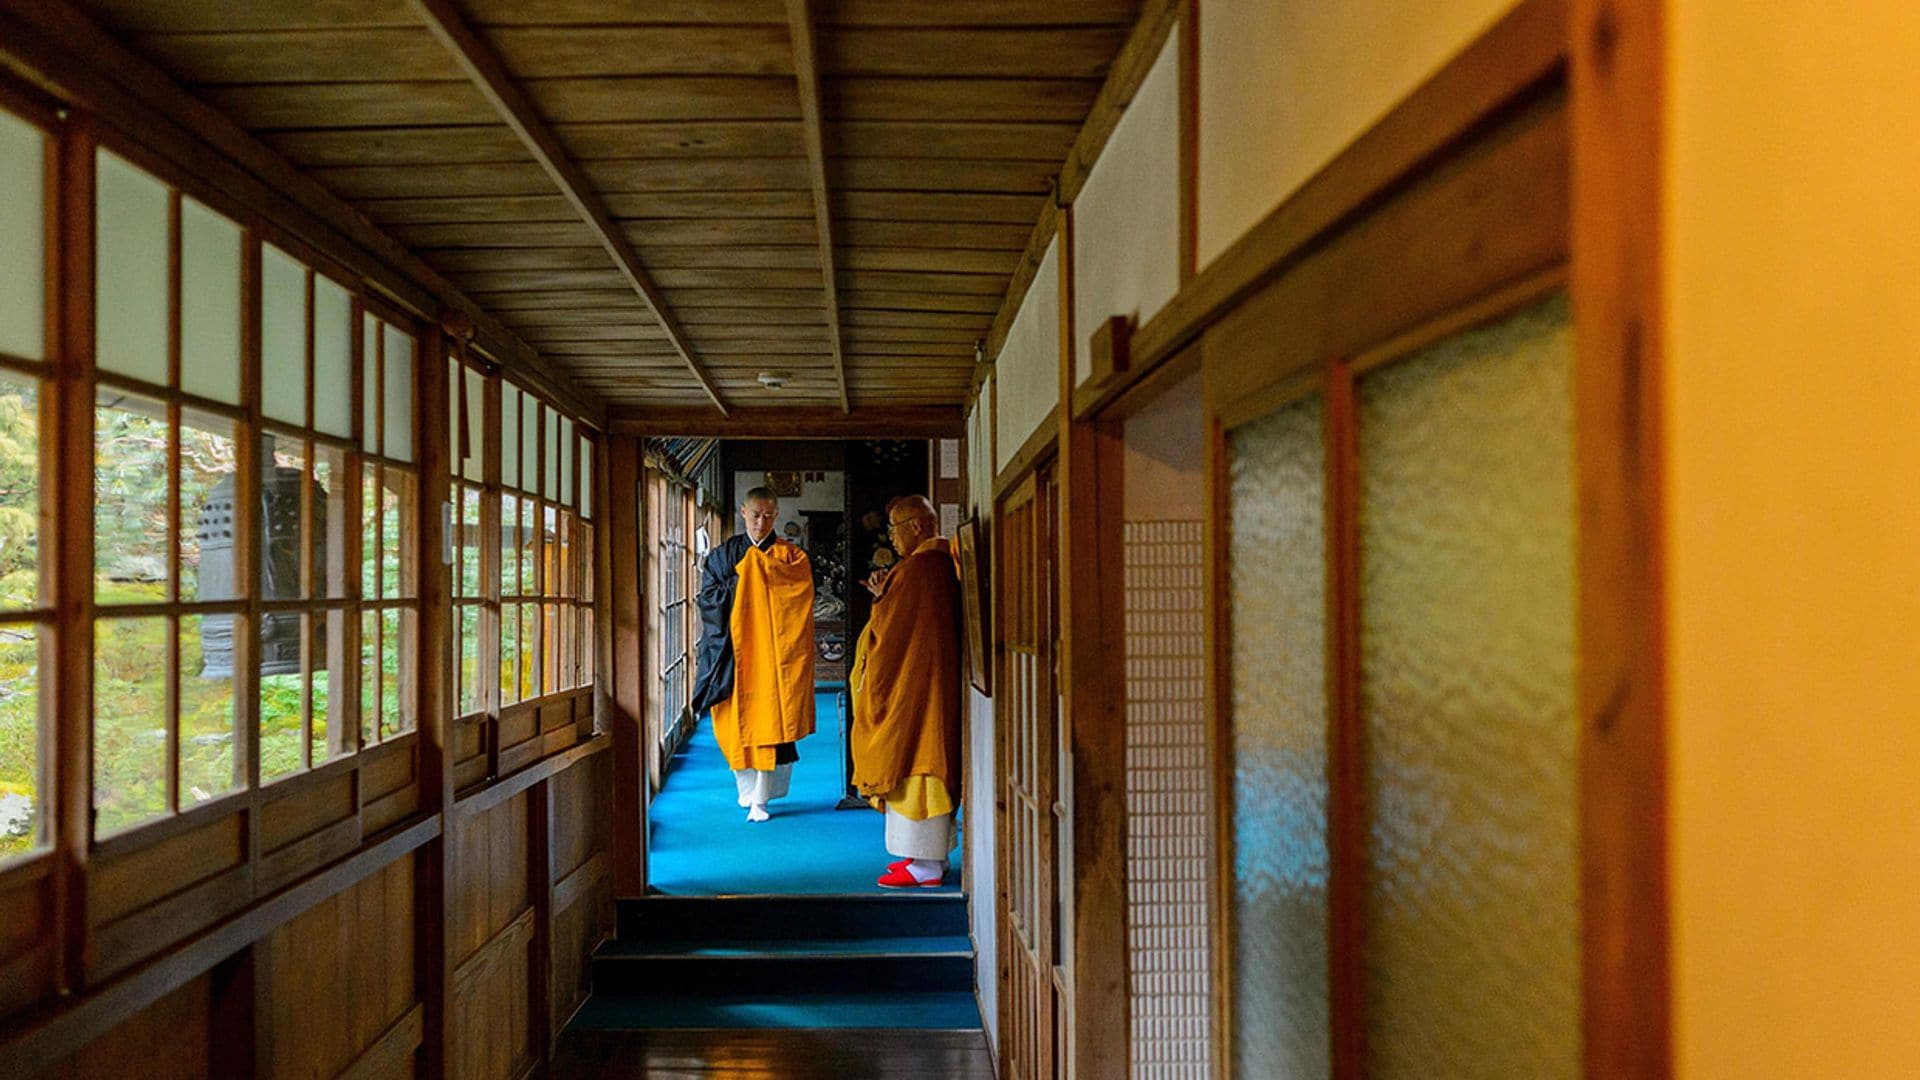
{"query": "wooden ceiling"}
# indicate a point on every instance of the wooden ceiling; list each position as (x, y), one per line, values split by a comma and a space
(939, 124)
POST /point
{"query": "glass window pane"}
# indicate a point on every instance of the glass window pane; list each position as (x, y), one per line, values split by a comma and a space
(283, 478)
(281, 698)
(129, 722)
(210, 740)
(332, 358)
(1467, 656)
(529, 443)
(396, 672)
(509, 545)
(131, 544)
(209, 304)
(529, 537)
(132, 244)
(333, 516)
(470, 583)
(399, 391)
(370, 384)
(473, 693)
(23, 239)
(370, 531)
(369, 676)
(476, 427)
(332, 734)
(283, 336)
(19, 492)
(396, 529)
(584, 649)
(509, 652)
(22, 810)
(586, 478)
(206, 507)
(529, 651)
(585, 591)
(509, 434)
(1277, 559)
(550, 551)
(563, 449)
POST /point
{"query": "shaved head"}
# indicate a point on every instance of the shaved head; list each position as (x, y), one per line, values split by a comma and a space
(911, 521)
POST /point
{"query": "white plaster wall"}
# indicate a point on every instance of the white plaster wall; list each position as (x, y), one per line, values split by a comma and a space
(980, 855)
(1126, 219)
(1285, 85)
(1028, 368)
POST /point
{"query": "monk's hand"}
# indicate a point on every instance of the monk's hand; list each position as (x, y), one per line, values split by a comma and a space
(874, 582)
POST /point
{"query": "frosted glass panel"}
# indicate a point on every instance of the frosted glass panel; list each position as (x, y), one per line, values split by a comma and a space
(399, 390)
(131, 246)
(1467, 693)
(332, 358)
(23, 239)
(529, 443)
(370, 384)
(209, 304)
(476, 425)
(283, 336)
(1277, 568)
(586, 478)
(550, 487)
(509, 434)
(564, 451)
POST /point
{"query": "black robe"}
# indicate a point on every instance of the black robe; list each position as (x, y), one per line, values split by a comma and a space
(713, 660)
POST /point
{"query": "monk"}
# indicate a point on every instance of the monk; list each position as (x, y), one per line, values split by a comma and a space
(906, 698)
(755, 668)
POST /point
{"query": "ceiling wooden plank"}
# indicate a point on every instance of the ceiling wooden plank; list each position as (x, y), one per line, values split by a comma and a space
(188, 15)
(278, 106)
(976, 12)
(942, 422)
(465, 144)
(890, 98)
(429, 210)
(1048, 53)
(1005, 141)
(490, 76)
(806, 66)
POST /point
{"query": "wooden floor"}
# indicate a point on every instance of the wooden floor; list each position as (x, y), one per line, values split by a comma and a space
(773, 1055)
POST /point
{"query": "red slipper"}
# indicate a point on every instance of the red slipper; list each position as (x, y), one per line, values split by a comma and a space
(897, 865)
(902, 878)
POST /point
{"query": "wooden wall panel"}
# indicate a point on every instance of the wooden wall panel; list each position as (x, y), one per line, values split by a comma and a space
(333, 982)
(490, 874)
(582, 824)
(490, 1011)
(180, 1022)
(26, 939)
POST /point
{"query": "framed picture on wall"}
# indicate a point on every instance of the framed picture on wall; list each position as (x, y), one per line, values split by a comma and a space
(974, 599)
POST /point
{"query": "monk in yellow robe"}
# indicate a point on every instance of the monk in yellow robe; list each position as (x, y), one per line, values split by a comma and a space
(906, 684)
(755, 662)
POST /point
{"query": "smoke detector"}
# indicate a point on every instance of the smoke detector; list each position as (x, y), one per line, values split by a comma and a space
(773, 380)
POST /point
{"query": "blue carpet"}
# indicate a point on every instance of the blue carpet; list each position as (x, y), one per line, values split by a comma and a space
(941, 1012)
(702, 845)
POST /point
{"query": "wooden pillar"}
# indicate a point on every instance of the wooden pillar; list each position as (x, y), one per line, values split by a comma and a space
(627, 712)
(434, 872)
(1091, 641)
(70, 470)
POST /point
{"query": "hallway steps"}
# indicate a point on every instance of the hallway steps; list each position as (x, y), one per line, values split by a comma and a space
(891, 961)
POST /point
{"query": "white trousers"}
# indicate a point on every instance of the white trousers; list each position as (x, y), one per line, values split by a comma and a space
(909, 839)
(758, 788)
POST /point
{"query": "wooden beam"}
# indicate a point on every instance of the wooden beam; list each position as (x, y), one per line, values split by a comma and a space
(484, 67)
(806, 68)
(913, 422)
(55, 47)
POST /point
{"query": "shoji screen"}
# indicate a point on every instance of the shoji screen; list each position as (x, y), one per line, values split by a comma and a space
(1168, 780)
(1466, 521)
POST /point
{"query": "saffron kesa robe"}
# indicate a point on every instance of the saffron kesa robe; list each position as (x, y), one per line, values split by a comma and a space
(906, 689)
(755, 662)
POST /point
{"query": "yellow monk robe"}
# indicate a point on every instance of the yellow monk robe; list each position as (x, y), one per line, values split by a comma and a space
(772, 632)
(906, 688)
